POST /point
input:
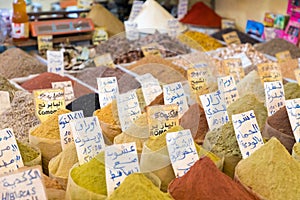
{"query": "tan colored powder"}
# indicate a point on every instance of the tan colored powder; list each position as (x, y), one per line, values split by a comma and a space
(49, 128)
(105, 114)
(271, 172)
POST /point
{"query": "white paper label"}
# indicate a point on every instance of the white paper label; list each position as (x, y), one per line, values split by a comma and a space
(128, 108)
(121, 160)
(135, 9)
(293, 110)
(173, 26)
(246, 62)
(182, 8)
(182, 151)
(247, 132)
(215, 109)
(4, 101)
(66, 136)
(132, 32)
(88, 138)
(23, 185)
(108, 90)
(55, 62)
(10, 156)
(174, 94)
(275, 98)
(68, 89)
(228, 88)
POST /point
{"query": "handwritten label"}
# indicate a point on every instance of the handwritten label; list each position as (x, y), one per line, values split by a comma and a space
(275, 98)
(215, 109)
(45, 42)
(246, 62)
(23, 184)
(135, 9)
(197, 78)
(10, 156)
(128, 108)
(231, 38)
(182, 8)
(132, 32)
(66, 136)
(283, 56)
(108, 90)
(104, 60)
(269, 72)
(152, 49)
(121, 160)
(100, 34)
(4, 101)
(55, 62)
(228, 23)
(234, 68)
(68, 89)
(161, 118)
(247, 132)
(173, 26)
(228, 88)
(293, 110)
(182, 151)
(47, 102)
(150, 87)
(297, 75)
(88, 138)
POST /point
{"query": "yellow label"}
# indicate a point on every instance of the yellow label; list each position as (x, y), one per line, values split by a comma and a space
(151, 49)
(86, 4)
(283, 56)
(197, 78)
(99, 35)
(297, 74)
(45, 42)
(269, 72)
(234, 67)
(104, 60)
(231, 38)
(161, 118)
(47, 102)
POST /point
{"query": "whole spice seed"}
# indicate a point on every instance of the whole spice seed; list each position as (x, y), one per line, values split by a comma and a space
(17, 63)
(5, 85)
(21, 116)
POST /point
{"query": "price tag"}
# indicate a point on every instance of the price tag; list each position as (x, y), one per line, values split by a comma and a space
(215, 109)
(45, 42)
(174, 94)
(66, 136)
(269, 72)
(23, 184)
(297, 74)
(121, 160)
(108, 90)
(100, 34)
(173, 26)
(275, 98)
(55, 62)
(88, 138)
(135, 9)
(197, 78)
(234, 68)
(150, 87)
(283, 56)
(228, 88)
(132, 32)
(68, 89)
(182, 151)
(246, 62)
(247, 132)
(47, 102)
(104, 60)
(10, 156)
(161, 118)
(293, 110)
(152, 49)
(4, 101)
(128, 108)
(228, 23)
(182, 8)
(231, 38)
(85, 4)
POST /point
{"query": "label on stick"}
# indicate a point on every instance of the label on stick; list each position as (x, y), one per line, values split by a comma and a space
(293, 110)
(45, 42)
(234, 67)
(55, 62)
(228, 88)
(269, 72)
(104, 60)
(231, 38)
(4, 101)
(275, 98)
(68, 89)
(197, 78)
(108, 90)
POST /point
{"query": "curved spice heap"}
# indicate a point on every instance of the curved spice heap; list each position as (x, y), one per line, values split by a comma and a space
(27, 153)
(271, 172)
(138, 186)
(5, 85)
(91, 175)
(204, 181)
(291, 91)
(17, 63)
(21, 116)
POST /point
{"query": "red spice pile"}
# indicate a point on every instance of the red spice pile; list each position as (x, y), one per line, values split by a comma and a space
(202, 15)
(206, 182)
